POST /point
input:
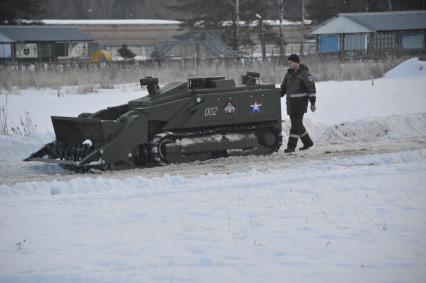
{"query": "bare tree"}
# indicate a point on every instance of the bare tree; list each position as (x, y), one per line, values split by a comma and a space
(281, 37)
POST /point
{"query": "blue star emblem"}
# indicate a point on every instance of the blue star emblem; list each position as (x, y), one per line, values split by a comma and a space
(255, 108)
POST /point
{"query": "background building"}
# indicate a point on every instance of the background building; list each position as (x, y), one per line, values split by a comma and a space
(168, 39)
(377, 33)
(157, 39)
(40, 43)
(195, 44)
(139, 35)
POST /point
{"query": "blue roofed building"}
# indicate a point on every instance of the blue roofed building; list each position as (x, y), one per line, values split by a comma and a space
(375, 33)
(43, 43)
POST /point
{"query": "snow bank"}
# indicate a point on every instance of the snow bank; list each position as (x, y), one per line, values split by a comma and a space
(410, 69)
(19, 147)
(394, 127)
(361, 100)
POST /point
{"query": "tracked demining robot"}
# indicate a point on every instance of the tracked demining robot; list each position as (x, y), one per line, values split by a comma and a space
(200, 119)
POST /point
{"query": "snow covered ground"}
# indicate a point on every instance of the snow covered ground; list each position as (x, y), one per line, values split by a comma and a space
(352, 209)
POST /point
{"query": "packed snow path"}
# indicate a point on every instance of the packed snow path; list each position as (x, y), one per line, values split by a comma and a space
(16, 172)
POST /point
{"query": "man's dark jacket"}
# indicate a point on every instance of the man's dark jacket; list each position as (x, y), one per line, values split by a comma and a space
(299, 87)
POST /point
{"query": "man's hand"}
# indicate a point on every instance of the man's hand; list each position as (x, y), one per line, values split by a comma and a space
(313, 108)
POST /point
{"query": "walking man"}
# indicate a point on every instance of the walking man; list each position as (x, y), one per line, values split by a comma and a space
(299, 87)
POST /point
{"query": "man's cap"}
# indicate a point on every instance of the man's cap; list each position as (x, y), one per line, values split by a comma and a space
(294, 58)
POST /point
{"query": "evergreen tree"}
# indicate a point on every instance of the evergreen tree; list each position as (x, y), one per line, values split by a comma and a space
(203, 14)
(378, 5)
(221, 15)
(408, 5)
(13, 11)
(208, 15)
(321, 10)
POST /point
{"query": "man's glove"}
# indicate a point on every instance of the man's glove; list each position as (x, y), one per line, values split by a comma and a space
(313, 108)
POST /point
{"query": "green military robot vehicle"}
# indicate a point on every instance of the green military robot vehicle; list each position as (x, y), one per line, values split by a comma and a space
(200, 119)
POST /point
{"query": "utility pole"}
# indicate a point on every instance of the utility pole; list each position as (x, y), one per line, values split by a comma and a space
(237, 17)
(237, 13)
(262, 37)
(89, 10)
(69, 9)
(390, 5)
(302, 42)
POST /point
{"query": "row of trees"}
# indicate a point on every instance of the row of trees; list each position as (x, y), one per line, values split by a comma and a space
(13, 10)
(320, 10)
(87, 9)
(188, 10)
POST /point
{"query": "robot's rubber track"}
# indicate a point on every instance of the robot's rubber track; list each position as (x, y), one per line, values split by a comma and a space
(160, 156)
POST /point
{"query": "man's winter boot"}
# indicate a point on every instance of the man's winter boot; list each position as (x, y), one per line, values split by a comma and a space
(307, 142)
(291, 145)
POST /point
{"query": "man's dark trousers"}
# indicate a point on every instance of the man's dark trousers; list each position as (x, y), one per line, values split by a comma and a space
(297, 131)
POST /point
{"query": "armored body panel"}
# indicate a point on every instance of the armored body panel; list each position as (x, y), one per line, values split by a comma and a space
(183, 121)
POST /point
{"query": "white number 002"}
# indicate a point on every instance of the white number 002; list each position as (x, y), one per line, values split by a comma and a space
(210, 111)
